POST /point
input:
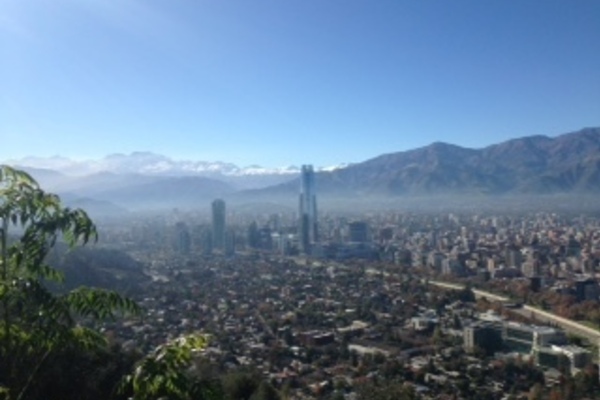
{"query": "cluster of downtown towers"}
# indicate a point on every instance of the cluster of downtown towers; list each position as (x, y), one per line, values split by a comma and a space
(307, 215)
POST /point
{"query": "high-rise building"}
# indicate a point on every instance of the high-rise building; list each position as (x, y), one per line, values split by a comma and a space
(358, 232)
(182, 239)
(252, 236)
(307, 212)
(229, 246)
(218, 224)
(206, 241)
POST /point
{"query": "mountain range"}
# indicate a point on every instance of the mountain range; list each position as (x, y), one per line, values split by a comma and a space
(532, 165)
(569, 163)
(151, 164)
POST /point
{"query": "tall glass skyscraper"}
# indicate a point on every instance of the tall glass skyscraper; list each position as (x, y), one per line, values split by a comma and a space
(218, 224)
(307, 212)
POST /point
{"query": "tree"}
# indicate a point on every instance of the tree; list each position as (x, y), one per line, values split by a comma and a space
(163, 373)
(36, 325)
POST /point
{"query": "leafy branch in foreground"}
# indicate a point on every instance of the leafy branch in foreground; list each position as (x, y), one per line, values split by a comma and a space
(36, 324)
(164, 372)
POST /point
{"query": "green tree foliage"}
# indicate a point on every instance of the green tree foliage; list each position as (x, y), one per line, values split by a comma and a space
(72, 373)
(38, 327)
(164, 372)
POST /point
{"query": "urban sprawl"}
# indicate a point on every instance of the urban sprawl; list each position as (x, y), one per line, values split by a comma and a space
(334, 305)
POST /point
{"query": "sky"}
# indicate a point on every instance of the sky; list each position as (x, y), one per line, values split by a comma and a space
(288, 82)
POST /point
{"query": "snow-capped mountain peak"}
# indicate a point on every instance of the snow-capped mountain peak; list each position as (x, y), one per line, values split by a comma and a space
(148, 163)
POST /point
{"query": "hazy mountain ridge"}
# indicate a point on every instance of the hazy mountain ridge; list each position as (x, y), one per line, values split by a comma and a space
(87, 178)
(151, 164)
(107, 193)
(568, 163)
(535, 164)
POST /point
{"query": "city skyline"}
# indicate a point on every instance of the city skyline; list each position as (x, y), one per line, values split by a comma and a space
(265, 83)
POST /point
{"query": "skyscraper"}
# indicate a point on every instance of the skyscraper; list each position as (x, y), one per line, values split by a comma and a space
(218, 224)
(307, 209)
(182, 239)
(358, 232)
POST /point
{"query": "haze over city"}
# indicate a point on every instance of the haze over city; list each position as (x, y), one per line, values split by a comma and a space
(299, 200)
(281, 83)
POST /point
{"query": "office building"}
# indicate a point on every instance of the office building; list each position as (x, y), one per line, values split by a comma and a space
(182, 240)
(229, 246)
(587, 289)
(484, 335)
(523, 338)
(218, 225)
(206, 241)
(307, 212)
(358, 232)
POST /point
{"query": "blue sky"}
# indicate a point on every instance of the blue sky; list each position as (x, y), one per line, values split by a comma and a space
(285, 82)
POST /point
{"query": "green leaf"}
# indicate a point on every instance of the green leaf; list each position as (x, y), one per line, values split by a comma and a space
(162, 373)
(35, 321)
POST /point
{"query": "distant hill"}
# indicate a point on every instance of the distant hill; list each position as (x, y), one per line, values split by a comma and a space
(98, 267)
(45, 177)
(109, 194)
(95, 208)
(188, 191)
(534, 164)
(569, 163)
(146, 164)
